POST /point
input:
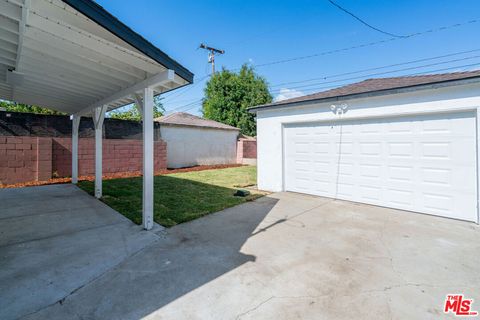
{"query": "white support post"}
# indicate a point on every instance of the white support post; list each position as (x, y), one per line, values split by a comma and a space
(148, 159)
(75, 128)
(99, 115)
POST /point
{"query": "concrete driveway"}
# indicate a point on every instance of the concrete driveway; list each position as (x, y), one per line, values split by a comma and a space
(289, 256)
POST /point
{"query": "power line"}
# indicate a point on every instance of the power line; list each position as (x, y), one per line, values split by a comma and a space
(316, 89)
(442, 28)
(385, 72)
(364, 22)
(186, 105)
(188, 88)
(376, 68)
(315, 86)
(198, 103)
(363, 45)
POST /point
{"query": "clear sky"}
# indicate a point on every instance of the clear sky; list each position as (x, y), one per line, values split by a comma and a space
(260, 32)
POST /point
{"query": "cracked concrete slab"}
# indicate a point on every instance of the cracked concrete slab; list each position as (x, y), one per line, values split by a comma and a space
(47, 252)
(289, 256)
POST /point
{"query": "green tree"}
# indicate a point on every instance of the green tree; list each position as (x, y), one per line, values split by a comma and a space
(131, 112)
(19, 107)
(228, 95)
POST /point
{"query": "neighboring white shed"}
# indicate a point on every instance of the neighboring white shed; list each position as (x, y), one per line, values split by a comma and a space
(193, 140)
(408, 143)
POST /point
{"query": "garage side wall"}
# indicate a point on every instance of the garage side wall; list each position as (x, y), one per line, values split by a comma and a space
(270, 122)
(191, 146)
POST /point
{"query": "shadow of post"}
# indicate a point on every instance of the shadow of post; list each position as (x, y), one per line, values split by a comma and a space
(186, 257)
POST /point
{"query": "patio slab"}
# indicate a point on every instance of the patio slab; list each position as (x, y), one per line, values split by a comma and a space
(54, 240)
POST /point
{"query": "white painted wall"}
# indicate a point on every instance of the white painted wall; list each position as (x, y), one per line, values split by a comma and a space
(189, 146)
(270, 122)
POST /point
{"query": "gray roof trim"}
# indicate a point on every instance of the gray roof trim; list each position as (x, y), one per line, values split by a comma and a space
(376, 93)
(194, 126)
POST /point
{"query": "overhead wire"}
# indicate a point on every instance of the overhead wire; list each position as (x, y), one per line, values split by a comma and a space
(376, 68)
(363, 45)
(364, 22)
(336, 83)
(384, 72)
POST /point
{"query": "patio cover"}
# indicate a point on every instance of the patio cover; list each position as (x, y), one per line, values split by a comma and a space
(75, 57)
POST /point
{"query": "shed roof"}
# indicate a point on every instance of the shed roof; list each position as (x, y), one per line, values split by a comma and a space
(189, 120)
(376, 85)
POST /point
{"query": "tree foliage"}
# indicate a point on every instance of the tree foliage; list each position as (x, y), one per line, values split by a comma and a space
(19, 107)
(131, 112)
(228, 95)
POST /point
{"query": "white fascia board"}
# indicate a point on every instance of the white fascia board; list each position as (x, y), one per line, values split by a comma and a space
(152, 82)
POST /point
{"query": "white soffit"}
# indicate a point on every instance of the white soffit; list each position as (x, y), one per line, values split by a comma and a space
(68, 61)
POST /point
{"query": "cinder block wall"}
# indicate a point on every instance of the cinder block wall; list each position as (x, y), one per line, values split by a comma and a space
(246, 151)
(24, 159)
(118, 156)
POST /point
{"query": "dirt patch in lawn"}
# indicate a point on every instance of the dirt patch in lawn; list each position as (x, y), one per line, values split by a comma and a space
(117, 175)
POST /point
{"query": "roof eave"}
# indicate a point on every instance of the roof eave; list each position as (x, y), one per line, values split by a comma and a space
(105, 19)
(405, 89)
(195, 126)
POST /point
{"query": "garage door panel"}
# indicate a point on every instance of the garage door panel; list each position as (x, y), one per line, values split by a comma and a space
(419, 163)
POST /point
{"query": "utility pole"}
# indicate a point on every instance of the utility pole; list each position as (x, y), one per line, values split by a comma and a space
(211, 54)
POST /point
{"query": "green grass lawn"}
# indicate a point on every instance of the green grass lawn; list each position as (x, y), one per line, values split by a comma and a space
(179, 197)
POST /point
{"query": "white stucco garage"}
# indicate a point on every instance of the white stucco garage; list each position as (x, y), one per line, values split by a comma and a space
(193, 140)
(408, 143)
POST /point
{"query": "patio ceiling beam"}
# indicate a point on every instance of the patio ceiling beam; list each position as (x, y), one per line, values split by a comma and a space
(67, 85)
(21, 32)
(83, 53)
(63, 57)
(29, 87)
(7, 55)
(10, 10)
(79, 76)
(8, 24)
(61, 93)
(7, 46)
(83, 38)
(27, 96)
(8, 36)
(157, 80)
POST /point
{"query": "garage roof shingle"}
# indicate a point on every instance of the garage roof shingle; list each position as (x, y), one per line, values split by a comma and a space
(379, 84)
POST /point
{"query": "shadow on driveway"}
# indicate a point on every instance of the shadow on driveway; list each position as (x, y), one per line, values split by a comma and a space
(185, 258)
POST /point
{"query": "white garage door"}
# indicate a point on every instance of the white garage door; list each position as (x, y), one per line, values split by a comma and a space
(419, 163)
